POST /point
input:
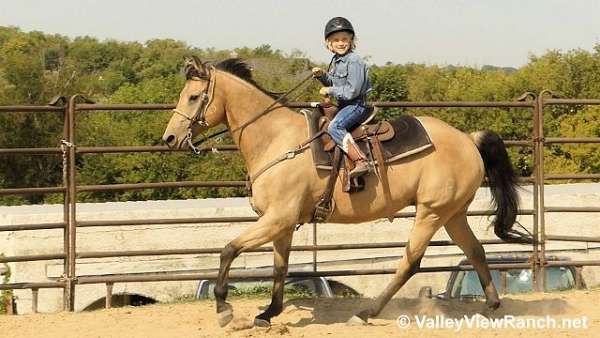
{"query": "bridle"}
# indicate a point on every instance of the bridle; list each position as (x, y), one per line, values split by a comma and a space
(205, 99)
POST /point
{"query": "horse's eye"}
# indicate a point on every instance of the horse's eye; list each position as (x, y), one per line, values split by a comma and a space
(194, 97)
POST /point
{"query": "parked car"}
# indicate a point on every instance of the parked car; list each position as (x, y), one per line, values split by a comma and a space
(465, 284)
(309, 286)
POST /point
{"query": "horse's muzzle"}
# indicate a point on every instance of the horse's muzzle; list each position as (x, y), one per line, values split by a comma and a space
(173, 142)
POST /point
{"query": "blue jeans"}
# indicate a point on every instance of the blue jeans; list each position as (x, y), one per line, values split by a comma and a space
(347, 118)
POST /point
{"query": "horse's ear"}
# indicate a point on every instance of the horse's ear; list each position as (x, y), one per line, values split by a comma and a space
(199, 65)
(193, 67)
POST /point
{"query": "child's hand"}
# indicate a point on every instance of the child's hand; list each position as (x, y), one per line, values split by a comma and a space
(324, 91)
(317, 72)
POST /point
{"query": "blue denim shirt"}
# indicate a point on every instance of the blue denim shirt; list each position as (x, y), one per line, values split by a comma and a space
(348, 79)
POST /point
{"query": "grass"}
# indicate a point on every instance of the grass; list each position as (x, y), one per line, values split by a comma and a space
(262, 291)
(5, 295)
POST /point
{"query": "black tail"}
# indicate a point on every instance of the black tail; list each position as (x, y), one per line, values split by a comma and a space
(502, 181)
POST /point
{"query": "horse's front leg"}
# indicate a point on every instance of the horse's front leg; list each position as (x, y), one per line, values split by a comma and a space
(268, 228)
(281, 255)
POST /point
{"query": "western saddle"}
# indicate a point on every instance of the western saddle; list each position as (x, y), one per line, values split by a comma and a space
(381, 141)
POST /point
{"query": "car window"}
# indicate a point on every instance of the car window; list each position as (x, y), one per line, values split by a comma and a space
(467, 283)
(305, 287)
(559, 278)
(342, 290)
(517, 281)
(239, 287)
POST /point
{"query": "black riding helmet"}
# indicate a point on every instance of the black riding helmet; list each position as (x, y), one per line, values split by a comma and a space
(338, 24)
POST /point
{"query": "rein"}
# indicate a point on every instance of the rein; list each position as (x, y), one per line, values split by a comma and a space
(271, 107)
(288, 155)
(206, 100)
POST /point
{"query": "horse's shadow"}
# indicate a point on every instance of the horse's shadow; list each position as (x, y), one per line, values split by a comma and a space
(339, 310)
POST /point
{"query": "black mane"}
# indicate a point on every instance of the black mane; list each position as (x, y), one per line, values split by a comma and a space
(241, 69)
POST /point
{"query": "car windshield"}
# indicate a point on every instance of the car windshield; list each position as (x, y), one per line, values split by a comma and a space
(517, 281)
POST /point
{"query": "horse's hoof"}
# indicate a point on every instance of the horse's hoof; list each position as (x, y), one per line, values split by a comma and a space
(225, 317)
(493, 305)
(356, 321)
(261, 322)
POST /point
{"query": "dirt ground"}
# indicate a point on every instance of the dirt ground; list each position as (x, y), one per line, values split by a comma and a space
(321, 318)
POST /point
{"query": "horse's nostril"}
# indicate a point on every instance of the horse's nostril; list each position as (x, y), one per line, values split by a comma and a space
(170, 139)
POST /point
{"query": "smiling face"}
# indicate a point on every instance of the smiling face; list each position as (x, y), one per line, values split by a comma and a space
(340, 42)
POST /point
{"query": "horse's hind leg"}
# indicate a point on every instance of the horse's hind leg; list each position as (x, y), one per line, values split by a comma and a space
(461, 234)
(426, 224)
(265, 230)
(281, 254)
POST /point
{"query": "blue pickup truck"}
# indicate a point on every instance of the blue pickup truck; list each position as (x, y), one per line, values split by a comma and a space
(464, 284)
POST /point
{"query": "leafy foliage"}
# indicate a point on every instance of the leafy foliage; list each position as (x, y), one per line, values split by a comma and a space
(5, 295)
(34, 67)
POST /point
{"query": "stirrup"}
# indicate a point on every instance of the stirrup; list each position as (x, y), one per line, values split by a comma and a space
(360, 170)
(323, 210)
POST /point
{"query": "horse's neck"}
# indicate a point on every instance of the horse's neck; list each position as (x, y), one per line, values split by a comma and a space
(271, 135)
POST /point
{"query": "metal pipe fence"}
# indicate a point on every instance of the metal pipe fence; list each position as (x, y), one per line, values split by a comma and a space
(69, 189)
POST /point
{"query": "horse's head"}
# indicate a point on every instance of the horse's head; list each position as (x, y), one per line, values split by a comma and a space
(198, 107)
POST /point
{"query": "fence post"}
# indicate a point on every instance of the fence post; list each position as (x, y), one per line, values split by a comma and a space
(64, 145)
(535, 146)
(542, 205)
(536, 186)
(70, 277)
(314, 263)
(10, 305)
(109, 294)
(579, 277)
(34, 300)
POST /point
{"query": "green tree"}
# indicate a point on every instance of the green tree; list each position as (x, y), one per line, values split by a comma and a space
(35, 66)
(389, 84)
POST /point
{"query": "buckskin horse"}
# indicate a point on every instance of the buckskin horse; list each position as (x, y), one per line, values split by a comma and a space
(440, 182)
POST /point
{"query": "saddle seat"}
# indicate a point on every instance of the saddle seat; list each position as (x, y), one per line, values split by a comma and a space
(383, 142)
(383, 130)
(399, 138)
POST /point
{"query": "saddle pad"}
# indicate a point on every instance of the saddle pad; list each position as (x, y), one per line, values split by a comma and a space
(410, 138)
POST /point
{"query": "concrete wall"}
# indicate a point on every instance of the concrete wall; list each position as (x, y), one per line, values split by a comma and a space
(217, 235)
